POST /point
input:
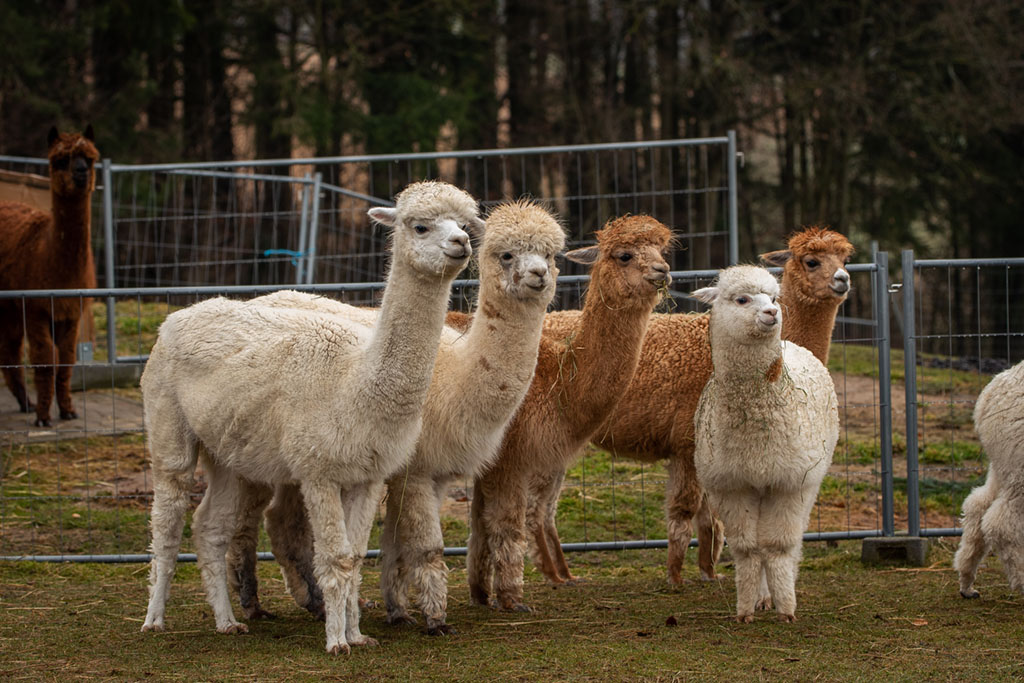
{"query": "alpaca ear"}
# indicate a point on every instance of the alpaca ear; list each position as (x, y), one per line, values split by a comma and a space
(706, 295)
(776, 258)
(384, 215)
(476, 226)
(52, 136)
(88, 134)
(585, 255)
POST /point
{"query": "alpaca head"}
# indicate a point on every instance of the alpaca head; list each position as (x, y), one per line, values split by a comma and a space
(628, 260)
(521, 241)
(73, 160)
(815, 264)
(744, 308)
(429, 226)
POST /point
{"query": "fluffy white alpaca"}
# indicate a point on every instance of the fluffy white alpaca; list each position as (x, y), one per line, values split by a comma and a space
(766, 426)
(273, 395)
(479, 380)
(994, 512)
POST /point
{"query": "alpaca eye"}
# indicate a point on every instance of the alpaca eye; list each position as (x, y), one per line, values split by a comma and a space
(626, 258)
(61, 164)
(742, 300)
(421, 229)
(812, 263)
(507, 256)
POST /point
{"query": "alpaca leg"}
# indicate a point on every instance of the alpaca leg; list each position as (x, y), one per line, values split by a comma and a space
(172, 487)
(332, 558)
(394, 575)
(479, 563)
(291, 541)
(66, 337)
(710, 536)
(974, 545)
(1003, 525)
(739, 512)
(212, 527)
(42, 355)
(12, 332)
(554, 542)
(505, 519)
(682, 502)
(544, 556)
(360, 504)
(425, 556)
(780, 526)
(241, 556)
(764, 594)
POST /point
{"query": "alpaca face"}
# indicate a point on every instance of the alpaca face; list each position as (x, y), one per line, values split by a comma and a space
(629, 259)
(435, 246)
(816, 264)
(73, 160)
(744, 306)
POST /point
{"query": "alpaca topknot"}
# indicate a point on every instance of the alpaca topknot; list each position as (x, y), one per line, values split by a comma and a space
(819, 239)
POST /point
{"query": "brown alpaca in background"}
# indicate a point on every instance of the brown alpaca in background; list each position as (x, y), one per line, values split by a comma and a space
(654, 419)
(43, 251)
(578, 380)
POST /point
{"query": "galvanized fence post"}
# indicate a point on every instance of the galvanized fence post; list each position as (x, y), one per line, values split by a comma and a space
(314, 226)
(303, 231)
(910, 384)
(734, 245)
(108, 254)
(881, 306)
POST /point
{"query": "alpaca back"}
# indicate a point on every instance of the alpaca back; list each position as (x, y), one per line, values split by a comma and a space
(999, 421)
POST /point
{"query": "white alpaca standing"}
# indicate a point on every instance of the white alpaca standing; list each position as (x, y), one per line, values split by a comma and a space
(271, 395)
(479, 380)
(994, 512)
(766, 426)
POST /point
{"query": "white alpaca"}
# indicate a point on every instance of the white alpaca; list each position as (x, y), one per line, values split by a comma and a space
(994, 512)
(766, 426)
(271, 395)
(479, 380)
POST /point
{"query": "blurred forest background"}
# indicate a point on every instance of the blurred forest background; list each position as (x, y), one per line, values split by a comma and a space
(896, 121)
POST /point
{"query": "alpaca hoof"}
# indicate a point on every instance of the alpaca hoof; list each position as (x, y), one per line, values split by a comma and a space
(970, 595)
(68, 414)
(787, 618)
(764, 603)
(744, 618)
(339, 649)
(708, 578)
(368, 604)
(233, 629)
(441, 630)
(40, 422)
(364, 641)
(154, 628)
(515, 607)
(401, 619)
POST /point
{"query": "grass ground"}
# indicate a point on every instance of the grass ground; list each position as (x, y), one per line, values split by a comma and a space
(64, 622)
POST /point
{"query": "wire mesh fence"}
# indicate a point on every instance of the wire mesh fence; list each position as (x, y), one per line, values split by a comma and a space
(963, 321)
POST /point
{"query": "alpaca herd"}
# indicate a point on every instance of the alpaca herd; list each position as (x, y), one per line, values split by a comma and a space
(304, 411)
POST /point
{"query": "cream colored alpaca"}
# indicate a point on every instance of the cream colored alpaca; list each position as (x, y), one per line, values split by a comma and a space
(479, 380)
(994, 512)
(654, 418)
(766, 426)
(578, 381)
(271, 395)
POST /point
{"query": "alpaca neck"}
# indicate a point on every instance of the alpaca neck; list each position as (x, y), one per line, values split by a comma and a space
(400, 358)
(72, 221)
(601, 357)
(499, 354)
(808, 322)
(745, 366)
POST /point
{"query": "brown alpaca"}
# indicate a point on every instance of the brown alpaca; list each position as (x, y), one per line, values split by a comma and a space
(654, 419)
(43, 251)
(578, 380)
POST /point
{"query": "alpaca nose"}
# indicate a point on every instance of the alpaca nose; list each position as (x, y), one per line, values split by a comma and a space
(772, 312)
(660, 273)
(539, 270)
(841, 281)
(458, 245)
